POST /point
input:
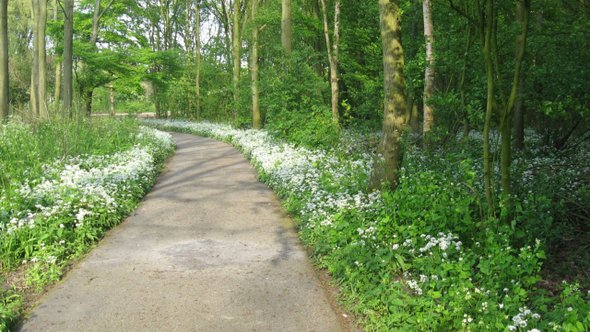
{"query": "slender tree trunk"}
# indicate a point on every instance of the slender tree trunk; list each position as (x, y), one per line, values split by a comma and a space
(68, 89)
(519, 112)
(506, 123)
(57, 91)
(428, 72)
(112, 99)
(394, 117)
(4, 105)
(236, 42)
(40, 27)
(95, 19)
(88, 95)
(34, 95)
(286, 32)
(198, 58)
(487, 52)
(333, 50)
(256, 118)
(462, 85)
(317, 39)
(226, 29)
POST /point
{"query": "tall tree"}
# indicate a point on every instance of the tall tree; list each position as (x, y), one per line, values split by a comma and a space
(506, 120)
(236, 56)
(394, 110)
(256, 119)
(39, 73)
(429, 70)
(4, 60)
(333, 50)
(68, 62)
(286, 29)
(198, 57)
(58, 65)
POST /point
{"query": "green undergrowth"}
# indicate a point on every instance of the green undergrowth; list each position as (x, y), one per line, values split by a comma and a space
(62, 187)
(426, 257)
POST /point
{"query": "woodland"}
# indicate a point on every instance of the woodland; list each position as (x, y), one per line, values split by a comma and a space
(435, 154)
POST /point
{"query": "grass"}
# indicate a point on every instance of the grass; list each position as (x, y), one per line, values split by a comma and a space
(62, 187)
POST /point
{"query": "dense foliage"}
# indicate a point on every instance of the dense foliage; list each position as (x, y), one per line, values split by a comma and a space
(422, 257)
(492, 208)
(58, 200)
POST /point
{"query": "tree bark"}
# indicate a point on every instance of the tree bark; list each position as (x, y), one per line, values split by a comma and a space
(112, 99)
(519, 112)
(286, 32)
(428, 72)
(95, 19)
(4, 74)
(333, 50)
(38, 71)
(395, 104)
(506, 123)
(198, 58)
(236, 42)
(41, 27)
(256, 118)
(68, 87)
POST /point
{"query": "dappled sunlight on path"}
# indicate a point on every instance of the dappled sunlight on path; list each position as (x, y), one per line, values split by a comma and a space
(208, 250)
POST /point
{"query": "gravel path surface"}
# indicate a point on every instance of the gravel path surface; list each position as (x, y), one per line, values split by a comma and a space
(209, 249)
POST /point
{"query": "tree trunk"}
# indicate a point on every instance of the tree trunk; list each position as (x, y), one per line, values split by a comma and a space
(4, 105)
(256, 119)
(58, 69)
(394, 121)
(286, 32)
(428, 72)
(519, 111)
(112, 99)
(333, 50)
(487, 52)
(198, 58)
(236, 42)
(466, 124)
(506, 122)
(41, 84)
(95, 19)
(88, 94)
(68, 89)
(57, 89)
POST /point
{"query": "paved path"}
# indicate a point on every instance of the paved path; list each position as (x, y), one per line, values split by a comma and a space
(207, 250)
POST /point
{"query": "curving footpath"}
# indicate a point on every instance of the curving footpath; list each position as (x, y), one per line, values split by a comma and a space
(209, 249)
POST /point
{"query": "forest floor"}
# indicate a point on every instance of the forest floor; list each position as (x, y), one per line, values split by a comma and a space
(209, 249)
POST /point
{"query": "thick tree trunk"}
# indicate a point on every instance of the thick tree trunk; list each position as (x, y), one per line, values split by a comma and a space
(394, 117)
(236, 42)
(256, 119)
(286, 32)
(68, 86)
(4, 105)
(428, 72)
